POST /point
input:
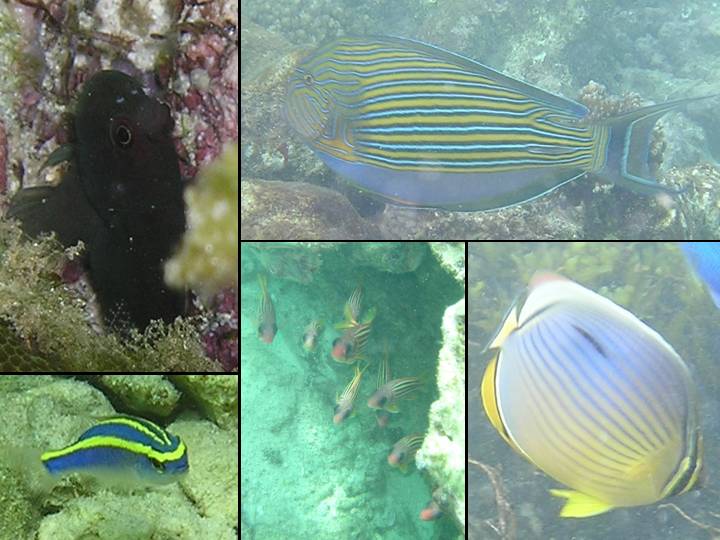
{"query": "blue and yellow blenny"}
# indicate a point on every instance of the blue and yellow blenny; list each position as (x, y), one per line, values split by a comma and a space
(422, 126)
(126, 445)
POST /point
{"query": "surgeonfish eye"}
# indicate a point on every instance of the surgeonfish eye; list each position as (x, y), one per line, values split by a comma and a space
(308, 79)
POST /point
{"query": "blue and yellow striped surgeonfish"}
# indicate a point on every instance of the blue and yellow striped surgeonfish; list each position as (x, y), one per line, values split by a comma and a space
(124, 446)
(422, 126)
(593, 397)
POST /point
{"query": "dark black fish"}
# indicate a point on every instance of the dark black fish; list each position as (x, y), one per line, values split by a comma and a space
(121, 195)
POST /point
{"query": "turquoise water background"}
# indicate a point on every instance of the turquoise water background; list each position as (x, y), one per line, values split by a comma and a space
(301, 475)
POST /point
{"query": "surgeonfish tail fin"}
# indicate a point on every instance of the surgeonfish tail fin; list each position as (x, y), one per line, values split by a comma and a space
(628, 147)
(579, 505)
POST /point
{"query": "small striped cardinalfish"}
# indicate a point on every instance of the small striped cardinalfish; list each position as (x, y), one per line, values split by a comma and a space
(345, 403)
(404, 450)
(387, 396)
(384, 375)
(422, 126)
(267, 327)
(122, 448)
(311, 334)
(593, 397)
(349, 347)
(353, 307)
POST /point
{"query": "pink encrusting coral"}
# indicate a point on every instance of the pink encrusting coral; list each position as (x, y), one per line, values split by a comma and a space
(220, 335)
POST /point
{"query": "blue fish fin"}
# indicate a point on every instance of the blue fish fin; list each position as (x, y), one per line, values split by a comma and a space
(580, 505)
(629, 135)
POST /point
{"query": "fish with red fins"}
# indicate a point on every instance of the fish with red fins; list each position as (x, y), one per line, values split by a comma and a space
(311, 335)
(349, 347)
(404, 450)
(387, 396)
(346, 401)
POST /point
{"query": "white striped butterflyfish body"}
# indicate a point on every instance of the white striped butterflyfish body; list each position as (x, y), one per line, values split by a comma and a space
(123, 446)
(422, 126)
(593, 397)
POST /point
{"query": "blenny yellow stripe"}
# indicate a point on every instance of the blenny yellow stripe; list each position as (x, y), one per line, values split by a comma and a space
(124, 444)
(593, 397)
(423, 126)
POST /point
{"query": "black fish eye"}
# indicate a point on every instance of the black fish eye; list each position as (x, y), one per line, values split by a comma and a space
(308, 79)
(122, 135)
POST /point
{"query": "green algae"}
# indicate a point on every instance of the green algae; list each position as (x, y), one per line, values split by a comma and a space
(37, 309)
(142, 394)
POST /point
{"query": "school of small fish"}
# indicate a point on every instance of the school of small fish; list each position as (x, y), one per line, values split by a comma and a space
(349, 348)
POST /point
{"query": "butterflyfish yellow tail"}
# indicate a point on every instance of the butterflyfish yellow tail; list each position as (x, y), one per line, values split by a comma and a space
(579, 505)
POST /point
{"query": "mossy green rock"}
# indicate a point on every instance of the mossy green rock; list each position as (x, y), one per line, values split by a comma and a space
(143, 394)
(216, 395)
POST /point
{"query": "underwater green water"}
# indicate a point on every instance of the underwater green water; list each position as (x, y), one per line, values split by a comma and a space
(654, 282)
(302, 475)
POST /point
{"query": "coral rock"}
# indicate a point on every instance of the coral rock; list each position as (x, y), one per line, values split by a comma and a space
(298, 211)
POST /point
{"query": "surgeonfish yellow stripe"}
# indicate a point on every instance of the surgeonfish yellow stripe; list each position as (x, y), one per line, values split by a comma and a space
(595, 398)
(423, 126)
(125, 445)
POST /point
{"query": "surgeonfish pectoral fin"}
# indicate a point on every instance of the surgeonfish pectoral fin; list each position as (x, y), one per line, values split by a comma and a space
(579, 505)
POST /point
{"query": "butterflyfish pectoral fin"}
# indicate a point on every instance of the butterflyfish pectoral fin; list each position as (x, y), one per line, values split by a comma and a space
(579, 505)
